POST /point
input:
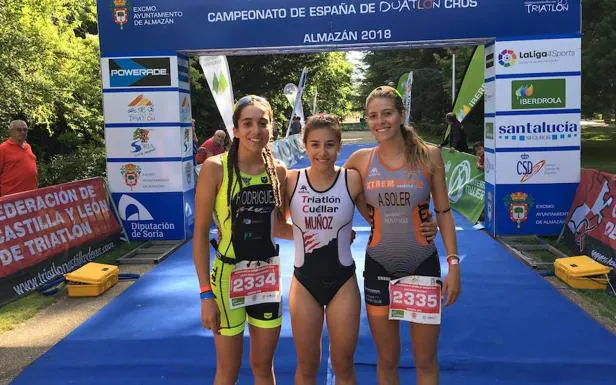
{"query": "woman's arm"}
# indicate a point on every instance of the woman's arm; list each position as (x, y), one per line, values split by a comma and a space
(208, 184)
(282, 229)
(446, 223)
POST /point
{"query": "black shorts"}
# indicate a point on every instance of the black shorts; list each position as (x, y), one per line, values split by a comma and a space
(376, 279)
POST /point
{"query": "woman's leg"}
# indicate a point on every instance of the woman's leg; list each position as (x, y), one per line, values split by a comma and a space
(386, 335)
(342, 315)
(307, 323)
(425, 339)
(228, 358)
(263, 344)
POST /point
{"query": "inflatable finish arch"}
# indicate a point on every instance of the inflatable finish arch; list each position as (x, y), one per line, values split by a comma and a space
(532, 97)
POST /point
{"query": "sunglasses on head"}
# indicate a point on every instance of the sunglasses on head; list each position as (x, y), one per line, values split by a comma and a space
(249, 99)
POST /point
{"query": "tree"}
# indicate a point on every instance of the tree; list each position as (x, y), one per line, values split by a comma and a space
(49, 71)
(598, 58)
(329, 73)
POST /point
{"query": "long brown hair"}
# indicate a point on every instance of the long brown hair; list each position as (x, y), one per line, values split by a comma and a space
(416, 149)
(233, 167)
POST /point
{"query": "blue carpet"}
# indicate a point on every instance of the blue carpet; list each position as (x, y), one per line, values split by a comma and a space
(509, 327)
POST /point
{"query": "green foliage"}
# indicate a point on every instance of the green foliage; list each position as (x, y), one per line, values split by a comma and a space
(49, 71)
(429, 93)
(598, 58)
(329, 74)
(86, 162)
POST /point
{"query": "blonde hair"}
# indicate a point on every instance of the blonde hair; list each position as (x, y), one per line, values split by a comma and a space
(416, 148)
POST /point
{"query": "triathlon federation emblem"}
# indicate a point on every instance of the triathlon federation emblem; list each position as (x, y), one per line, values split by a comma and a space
(518, 203)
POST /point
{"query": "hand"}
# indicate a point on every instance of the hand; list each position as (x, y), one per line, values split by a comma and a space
(428, 228)
(210, 316)
(452, 287)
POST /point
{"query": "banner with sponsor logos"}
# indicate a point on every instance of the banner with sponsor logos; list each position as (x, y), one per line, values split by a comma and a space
(465, 183)
(159, 25)
(148, 135)
(590, 227)
(43, 233)
(533, 136)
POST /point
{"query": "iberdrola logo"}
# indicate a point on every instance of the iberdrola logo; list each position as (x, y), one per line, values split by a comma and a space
(525, 91)
(462, 112)
(220, 83)
(120, 12)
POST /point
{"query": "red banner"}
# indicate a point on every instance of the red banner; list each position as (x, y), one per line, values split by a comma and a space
(39, 224)
(590, 228)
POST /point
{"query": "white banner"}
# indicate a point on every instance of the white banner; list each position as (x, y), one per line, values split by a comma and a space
(537, 56)
(541, 167)
(216, 71)
(141, 107)
(144, 142)
(408, 88)
(552, 130)
(290, 92)
(298, 109)
(145, 176)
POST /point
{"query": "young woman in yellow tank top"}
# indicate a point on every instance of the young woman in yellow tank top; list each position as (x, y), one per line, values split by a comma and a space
(408, 167)
(243, 190)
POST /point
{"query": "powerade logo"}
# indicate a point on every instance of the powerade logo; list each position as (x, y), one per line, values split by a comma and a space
(539, 93)
(546, 6)
(140, 72)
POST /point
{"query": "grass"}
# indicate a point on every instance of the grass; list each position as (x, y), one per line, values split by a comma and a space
(598, 301)
(24, 308)
(598, 145)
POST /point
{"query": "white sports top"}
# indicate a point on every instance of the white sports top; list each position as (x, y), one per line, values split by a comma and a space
(322, 220)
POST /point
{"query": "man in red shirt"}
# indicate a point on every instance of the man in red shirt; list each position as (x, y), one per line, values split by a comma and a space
(18, 170)
(213, 146)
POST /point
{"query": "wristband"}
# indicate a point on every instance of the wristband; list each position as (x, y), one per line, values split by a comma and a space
(453, 261)
(205, 288)
(207, 295)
